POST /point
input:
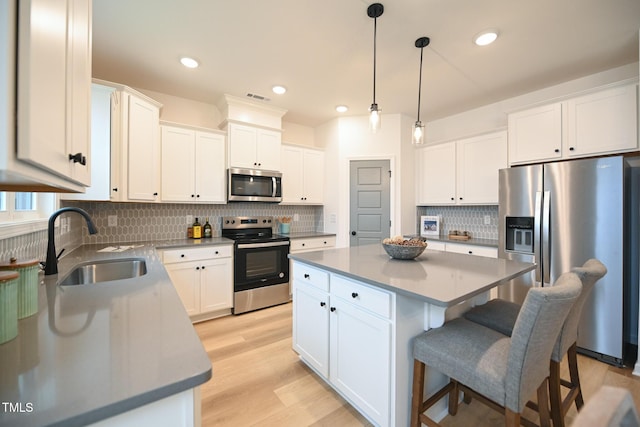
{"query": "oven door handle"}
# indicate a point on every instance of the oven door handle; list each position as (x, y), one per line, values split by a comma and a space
(261, 245)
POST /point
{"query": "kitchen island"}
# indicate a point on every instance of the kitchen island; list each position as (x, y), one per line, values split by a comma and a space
(114, 353)
(356, 312)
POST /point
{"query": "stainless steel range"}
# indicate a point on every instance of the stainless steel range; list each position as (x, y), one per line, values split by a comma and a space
(261, 264)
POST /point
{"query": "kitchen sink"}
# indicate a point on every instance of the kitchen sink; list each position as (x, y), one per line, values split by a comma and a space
(106, 271)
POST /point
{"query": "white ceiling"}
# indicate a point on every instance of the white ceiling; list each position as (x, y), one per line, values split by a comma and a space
(322, 51)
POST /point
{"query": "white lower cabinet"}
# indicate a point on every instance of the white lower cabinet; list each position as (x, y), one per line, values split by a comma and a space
(461, 248)
(203, 278)
(352, 335)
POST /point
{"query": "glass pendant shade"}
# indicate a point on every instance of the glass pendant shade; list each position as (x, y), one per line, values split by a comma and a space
(374, 118)
(418, 133)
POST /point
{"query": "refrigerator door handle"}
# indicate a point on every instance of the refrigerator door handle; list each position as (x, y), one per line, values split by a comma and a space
(546, 246)
(536, 236)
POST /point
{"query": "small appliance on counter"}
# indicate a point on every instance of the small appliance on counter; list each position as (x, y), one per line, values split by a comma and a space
(261, 263)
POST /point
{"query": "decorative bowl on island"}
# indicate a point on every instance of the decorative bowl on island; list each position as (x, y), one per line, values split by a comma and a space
(400, 248)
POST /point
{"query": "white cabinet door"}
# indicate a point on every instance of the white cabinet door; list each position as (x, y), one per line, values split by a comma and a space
(437, 174)
(603, 122)
(185, 277)
(54, 84)
(254, 148)
(216, 284)
(210, 167)
(268, 149)
(461, 248)
(242, 146)
(313, 176)
(535, 134)
(143, 141)
(178, 168)
(478, 161)
(360, 358)
(292, 182)
(311, 325)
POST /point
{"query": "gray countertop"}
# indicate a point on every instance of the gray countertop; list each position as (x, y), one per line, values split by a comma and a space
(440, 278)
(94, 351)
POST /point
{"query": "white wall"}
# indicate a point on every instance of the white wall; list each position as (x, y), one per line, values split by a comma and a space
(186, 111)
(346, 139)
(293, 133)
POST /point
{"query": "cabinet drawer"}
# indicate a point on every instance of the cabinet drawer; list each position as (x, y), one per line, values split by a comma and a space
(472, 250)
(312, 243)
(361, 295)
(311, 275)
(436, 246)
(189, 254)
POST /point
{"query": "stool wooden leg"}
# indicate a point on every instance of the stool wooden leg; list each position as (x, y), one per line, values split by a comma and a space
(555, 394)
(511, 419)
(453, 398)
(543, 404)
(572, 358)
(417, 393)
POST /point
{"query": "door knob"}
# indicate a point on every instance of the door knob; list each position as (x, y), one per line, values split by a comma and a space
(353, 233)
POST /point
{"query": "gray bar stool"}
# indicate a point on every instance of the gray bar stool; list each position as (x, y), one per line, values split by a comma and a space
(500, 371)
(501, 315)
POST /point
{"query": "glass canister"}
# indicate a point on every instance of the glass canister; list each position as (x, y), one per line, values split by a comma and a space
(27, 284)
(8, 305)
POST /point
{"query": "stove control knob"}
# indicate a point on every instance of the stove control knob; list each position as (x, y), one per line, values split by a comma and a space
(264, 221)
(226, 222)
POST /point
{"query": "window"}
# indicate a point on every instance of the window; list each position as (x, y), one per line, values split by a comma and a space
(22, 213)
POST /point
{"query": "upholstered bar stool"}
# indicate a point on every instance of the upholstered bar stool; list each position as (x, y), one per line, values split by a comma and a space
(608, 407)
(499, 370)
(501, 316)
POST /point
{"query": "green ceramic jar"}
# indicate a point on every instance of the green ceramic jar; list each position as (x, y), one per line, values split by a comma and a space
(8, 305)
(27, 284)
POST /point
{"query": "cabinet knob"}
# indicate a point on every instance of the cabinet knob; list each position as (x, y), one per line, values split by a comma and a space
(460, 198)
(470, 252)
(78, 158)
(155, 194)
(325, 242)
(453, 198)
(303, 244)
(557, 150)
(193, 195)
(181, 255)
(259, 164)
(217, 252)
(115, 189)
(197, 268)
(197, 195)
(306, 276)
(571, 148)
(354, 295)
(203, 267)
(333, 309)
(322, 303)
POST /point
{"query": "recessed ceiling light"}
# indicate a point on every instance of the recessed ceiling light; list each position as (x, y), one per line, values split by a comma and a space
(277, 89)
(189, 62)
(486, 37)
(341, 108)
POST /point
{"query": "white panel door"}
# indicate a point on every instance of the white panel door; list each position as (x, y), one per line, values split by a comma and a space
(268, 150)
(313, 176)
(437, 174)
(178, 152)
(311, 326)
(478, 161)
(535, 134)
(143, 150)
(292, 170)
(216, 284)
(185, 276)
(242, 146)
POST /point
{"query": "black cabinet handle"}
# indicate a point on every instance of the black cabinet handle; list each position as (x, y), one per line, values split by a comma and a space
(306, 276)
(217, 252)
(203, 267)
(453, 198)
(571, 148)
(322, 303)
(78, 158)
(354, 295)
(470, 252)
(115, 189)
(333, 309)
(155, 194)
(197, 268)
(193, 195)
(460, 198)
(181, 255)
(303, 244)
(557, 150)
(197, 196)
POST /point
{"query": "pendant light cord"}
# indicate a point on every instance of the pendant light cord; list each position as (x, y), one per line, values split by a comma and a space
(375, 27)
(420, 82)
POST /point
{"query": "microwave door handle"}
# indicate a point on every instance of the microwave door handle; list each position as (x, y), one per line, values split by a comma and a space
(536, 236)
(274, 186)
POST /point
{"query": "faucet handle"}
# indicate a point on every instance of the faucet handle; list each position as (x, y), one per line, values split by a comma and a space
(60, 254)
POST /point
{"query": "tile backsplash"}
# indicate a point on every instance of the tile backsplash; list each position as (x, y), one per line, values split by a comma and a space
(145, 222)
(467, 218)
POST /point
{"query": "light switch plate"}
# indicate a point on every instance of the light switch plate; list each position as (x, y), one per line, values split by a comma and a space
(112, 220)
(487, 220)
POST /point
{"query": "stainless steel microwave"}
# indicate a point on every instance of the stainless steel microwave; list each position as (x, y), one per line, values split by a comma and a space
(254, 185)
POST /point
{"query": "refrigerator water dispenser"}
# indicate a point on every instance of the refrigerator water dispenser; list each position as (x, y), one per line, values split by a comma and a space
(519, 235)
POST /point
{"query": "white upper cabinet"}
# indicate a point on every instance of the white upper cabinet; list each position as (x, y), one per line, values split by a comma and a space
(601, 122)
(135, 147)
(193, 165)
(302, 175)
(51, 147)
(463, 172)
(253, 147)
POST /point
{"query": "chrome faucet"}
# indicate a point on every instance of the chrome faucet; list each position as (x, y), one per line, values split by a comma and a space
(51, 265)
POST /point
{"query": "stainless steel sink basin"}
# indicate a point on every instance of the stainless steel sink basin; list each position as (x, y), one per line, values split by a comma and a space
(106, 271)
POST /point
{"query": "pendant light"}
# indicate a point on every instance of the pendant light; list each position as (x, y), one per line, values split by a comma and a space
(418, 128)
(374, 11)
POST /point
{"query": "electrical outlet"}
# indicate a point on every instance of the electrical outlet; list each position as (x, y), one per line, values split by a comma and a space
(333, 218)
(189, 219)
(487, 220)
(112, 220)
(296, 217)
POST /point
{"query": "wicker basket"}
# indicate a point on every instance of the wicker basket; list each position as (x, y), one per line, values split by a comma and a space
(403, 251)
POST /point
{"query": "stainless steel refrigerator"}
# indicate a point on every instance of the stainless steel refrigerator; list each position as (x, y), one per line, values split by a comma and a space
(559, 215)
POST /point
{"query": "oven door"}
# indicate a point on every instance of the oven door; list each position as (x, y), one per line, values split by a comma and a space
(260, 264)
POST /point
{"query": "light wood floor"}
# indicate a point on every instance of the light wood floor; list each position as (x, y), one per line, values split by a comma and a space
(259, 380)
